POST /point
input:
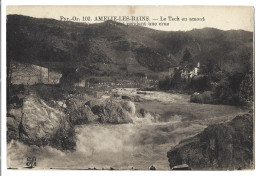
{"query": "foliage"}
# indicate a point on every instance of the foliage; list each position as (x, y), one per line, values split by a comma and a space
(235, 88)
(187, 60)
(206, 97)
(60, 44)
(200, 83)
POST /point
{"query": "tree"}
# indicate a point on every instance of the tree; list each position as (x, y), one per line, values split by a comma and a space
(69, 77)
(246, 89)
(187, 60)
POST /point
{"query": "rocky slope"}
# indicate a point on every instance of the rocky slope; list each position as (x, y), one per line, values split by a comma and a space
(226, 146)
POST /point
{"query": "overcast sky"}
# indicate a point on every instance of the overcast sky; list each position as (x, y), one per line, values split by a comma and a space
(224, 18)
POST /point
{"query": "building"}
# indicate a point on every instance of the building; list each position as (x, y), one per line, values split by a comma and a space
(29, 74)
(185, 73)
(197, 69)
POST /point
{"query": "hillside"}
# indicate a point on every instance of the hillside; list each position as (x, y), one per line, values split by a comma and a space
(111, 48)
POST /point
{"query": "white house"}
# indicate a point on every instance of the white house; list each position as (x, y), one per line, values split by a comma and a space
(185, 73)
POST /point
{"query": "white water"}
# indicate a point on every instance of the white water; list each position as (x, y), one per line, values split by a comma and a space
(150, 95)
(104, 146)
(138, 145)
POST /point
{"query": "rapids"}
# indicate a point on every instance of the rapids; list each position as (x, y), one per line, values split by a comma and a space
(125, 146)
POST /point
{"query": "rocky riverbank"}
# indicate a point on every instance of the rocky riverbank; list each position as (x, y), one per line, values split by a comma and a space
(225, 146)
(39, 122)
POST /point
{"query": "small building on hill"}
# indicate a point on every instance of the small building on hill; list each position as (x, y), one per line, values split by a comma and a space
(185, 72)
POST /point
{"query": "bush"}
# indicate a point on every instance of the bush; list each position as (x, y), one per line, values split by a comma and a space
(235, 89)
(200, 83)
(206, 97)
(164, 84)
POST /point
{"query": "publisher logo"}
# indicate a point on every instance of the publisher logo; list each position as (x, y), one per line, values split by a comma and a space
(31, 162)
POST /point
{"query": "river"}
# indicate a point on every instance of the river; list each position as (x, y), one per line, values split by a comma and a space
(171, 118)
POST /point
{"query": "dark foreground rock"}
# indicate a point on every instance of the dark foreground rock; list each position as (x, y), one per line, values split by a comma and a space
(36, 123)
(225, 146)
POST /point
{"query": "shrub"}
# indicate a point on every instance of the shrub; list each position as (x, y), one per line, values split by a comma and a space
(206, 97)
(200, 83)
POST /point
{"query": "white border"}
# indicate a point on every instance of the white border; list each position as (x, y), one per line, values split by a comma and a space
(6, 172)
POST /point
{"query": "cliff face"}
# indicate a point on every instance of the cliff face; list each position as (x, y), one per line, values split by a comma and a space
(226, 146)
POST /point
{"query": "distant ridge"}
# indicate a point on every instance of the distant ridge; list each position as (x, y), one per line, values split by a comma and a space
(100, 47)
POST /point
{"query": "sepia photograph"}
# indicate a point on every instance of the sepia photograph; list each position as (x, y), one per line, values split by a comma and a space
(130, 88)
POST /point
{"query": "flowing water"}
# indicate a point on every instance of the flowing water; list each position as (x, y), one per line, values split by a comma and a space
(126, 146)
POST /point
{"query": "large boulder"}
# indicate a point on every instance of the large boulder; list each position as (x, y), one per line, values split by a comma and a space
(36, 123)
(105, 111)
(129, 107)
(111, 111)
(82, 115)
(79, 113)
(221, 146)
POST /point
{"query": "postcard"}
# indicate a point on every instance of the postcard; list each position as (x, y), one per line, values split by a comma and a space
(130, 88)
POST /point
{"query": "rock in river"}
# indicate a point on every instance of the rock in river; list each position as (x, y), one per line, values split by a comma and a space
(111, 111)
(226, 146)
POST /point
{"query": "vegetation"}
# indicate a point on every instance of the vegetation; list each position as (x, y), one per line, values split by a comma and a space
(218, 86)
(110, 48)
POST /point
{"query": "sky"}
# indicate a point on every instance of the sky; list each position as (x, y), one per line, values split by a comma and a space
(221, 17)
